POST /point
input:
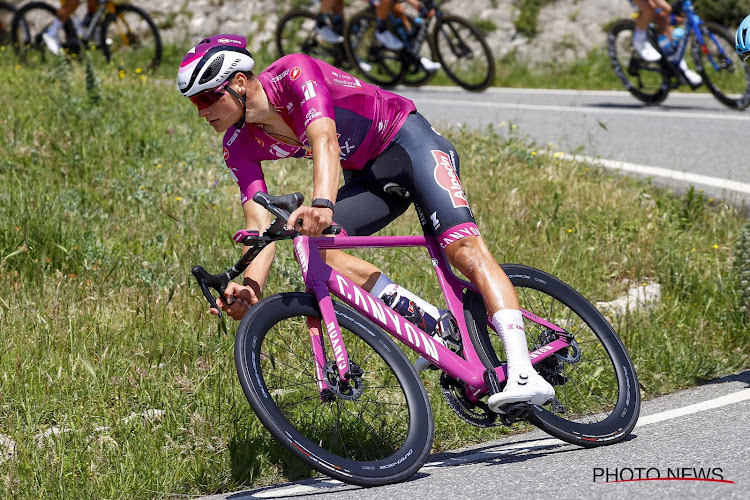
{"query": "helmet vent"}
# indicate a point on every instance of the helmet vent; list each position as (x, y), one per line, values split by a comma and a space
(212, 70)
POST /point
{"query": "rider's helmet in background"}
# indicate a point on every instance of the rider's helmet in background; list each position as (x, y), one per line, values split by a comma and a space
(210, 65)
(742, 40)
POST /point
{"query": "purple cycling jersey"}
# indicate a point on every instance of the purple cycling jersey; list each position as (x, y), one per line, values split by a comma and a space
(304, 89)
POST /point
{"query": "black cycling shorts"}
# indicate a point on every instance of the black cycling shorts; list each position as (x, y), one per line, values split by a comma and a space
(418, 166)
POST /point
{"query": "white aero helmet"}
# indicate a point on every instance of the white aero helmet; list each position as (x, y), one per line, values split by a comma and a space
(212, 62)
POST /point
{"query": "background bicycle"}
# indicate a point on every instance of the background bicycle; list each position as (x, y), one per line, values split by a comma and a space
(712, 50)
(6, 16)
(295, 33)
(124, 34)
(455, 42)
(354, 408)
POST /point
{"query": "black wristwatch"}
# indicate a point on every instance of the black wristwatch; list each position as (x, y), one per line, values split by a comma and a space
(322, 203)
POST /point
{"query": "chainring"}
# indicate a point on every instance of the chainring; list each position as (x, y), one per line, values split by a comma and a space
(476, 413)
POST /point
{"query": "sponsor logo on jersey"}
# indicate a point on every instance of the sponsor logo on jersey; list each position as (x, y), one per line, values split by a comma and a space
(311, 115)
(308, 88)
(382, 126)
(435, 220)
(226, 154)
(294, 74)
(280, 76)
(346, 148)
(289, 106)
(260, 141)
(446, 177)
(234, 137)
(458, 233)
(279, 152)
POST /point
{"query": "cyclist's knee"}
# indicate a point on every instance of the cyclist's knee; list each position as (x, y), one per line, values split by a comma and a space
(468, 255)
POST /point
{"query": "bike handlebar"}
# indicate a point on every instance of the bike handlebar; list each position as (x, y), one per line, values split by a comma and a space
(280, 206)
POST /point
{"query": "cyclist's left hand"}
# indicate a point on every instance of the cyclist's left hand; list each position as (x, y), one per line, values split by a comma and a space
(314, 220)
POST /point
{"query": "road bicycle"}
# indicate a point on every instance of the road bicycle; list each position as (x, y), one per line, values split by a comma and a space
(124, 34)
(338, 393)
(6, 15)
(712, 50)
(295, 33)
(456, 43)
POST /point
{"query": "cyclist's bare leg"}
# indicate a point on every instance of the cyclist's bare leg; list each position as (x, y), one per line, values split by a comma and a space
(648, 12)
(358, 271)
(67, 8)
(473, 259)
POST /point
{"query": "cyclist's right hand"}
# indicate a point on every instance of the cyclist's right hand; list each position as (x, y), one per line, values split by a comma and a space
(237, 300)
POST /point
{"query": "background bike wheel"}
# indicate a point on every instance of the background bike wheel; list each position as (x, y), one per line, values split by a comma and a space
(597, 398)
(378, 433)
(645, 81)
(295, 33)
(130, 40)
(6, 18)
(729, 81)
(378, 65)
(463, 53)
(27, 27)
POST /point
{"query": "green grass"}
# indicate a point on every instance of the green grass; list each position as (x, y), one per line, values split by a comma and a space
(106, 205)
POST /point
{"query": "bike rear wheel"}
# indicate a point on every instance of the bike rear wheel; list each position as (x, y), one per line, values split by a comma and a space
(463, 53)
(130, 40)
(378, 431)
(6, 18)
(597, 397)
(723, 71)
(29, 24)
(645, 81)
(295, 33)
(378, 65)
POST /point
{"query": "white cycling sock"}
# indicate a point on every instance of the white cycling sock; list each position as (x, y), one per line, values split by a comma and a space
(54, 28)
(683, 65)
(379, 286)
(509, 324)
(639, 35)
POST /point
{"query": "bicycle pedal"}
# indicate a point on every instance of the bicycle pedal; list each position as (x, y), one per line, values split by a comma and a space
(513, 412)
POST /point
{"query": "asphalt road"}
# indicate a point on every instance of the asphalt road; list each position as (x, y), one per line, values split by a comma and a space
(704, 428)
(691, 139)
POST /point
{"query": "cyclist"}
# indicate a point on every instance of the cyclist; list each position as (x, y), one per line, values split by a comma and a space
(387, 38)
(331, 21)
(658, 12)
(742, 40)
(305, 108)
(67, 7)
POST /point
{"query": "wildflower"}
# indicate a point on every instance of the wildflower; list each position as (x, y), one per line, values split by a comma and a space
(559, 154)
(138, 70)
(716, 247)
(179, 198)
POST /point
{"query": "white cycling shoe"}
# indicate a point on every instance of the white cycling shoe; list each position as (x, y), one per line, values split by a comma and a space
(327, 34)
(429, 65)
(523, 388)
(389, 40)
(693, 78)
(646, 51)
(53, 45)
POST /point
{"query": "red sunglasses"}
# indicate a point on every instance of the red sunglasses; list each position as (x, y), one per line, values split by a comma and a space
(208, 97)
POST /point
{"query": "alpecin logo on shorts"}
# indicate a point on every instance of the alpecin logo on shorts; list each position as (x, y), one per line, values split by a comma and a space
(446, 177)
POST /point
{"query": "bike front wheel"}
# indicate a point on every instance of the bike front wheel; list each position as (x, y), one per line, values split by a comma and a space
(463, 53)
(27, 30)
(295, 33)
(723, 71)
(130, 40)
(597, 397)
(644, 80)
(378, 65)
(375, 430)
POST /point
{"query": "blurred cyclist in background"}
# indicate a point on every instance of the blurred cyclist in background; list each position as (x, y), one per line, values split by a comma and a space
(67, 7)
(331, 21)
(742, 40)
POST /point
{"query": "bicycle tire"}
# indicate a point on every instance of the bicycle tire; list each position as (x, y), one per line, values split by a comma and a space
(649, 82)
(6, 19)
(597, 394)
(381, 433)
(457, 43)
(378, 65)
(731, 83)
(295, 33)
(27, 27)
(130, 40)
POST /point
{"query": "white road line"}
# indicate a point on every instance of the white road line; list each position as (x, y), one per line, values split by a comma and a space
(585, 109)
(510, 90)
(725, 184)
(322, 484)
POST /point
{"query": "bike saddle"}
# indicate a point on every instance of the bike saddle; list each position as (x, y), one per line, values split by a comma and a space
(286, 202)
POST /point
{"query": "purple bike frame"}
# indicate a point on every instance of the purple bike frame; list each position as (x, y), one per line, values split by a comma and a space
(322, 280)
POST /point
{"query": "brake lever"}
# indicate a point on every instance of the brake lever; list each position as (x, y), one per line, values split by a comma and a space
(206, 280)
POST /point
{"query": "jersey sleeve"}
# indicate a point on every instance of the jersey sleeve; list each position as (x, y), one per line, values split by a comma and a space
(248, 175)
(306, 91)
